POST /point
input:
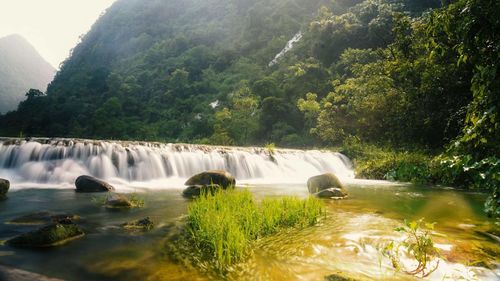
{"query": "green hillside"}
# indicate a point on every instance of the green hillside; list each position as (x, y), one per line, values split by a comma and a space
(151, 69)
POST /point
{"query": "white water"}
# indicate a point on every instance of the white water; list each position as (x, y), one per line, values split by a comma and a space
(154, 165)
(288, 47)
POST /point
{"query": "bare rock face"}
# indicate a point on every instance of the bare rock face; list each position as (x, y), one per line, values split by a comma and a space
(87, 184)
(4, 188)
(326, 186)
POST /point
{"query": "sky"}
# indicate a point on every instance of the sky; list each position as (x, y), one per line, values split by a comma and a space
(53, 27)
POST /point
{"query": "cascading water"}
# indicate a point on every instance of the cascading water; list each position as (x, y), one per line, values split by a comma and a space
(61, 161)
(289, 45)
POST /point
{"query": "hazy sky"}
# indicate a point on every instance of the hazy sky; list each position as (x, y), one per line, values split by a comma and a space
(52, 26)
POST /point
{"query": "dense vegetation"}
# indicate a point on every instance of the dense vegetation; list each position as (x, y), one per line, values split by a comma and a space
(223, 225)
(21, 68)
(406, 75)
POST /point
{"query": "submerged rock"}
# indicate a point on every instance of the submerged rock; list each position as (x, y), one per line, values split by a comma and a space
(91, 184)
(120, 201)
(143, 224)
(213, 177)
(44, 218)
(48, 236)
(338, 277)
(328, 182)
(335, 193)
(14, 274)
(4, 188)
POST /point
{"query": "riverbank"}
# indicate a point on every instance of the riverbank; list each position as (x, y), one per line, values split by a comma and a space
(460, 171)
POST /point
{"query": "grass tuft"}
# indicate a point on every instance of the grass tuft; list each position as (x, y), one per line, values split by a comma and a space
(223, 225)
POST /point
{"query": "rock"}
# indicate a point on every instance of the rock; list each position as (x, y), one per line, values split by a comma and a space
(48, 236)
(14, 274)
(44, 218)
(322, 182)
(90, 184)
(214, 177)
(197, 190)
(117, 201)
(4, 188)
(335, 193)
(143, 224)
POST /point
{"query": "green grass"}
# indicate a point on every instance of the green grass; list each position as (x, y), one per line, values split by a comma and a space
(223, 225)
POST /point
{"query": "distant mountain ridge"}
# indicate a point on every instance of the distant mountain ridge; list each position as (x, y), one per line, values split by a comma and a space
(21, 68)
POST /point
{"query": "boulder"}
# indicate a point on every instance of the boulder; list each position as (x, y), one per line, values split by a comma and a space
(322, 182)
(197, 190)
(48, 236)
(4, 188)
(44, 218)
(14, 274)
(90, 184)
(331, 193)
(143, 224)
(214, 177)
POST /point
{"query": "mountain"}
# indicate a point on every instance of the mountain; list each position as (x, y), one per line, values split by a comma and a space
(21, 68)
(200, 70)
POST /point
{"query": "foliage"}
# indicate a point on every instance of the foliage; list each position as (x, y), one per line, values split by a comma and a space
(418, 245)
(223, 225)
(374, 162)
(464, 171)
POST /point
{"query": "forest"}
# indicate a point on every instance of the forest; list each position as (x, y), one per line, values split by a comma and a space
(409, 89)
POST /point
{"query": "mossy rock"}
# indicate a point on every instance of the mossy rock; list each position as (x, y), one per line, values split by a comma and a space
(4, 188)
(48, 236)
(142, 224)
(88, 184)
(324, 181)
(213, 177)
(44, 218)
(120, 201)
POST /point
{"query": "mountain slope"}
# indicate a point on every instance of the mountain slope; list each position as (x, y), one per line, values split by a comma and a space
(21, 68)
(167, 70)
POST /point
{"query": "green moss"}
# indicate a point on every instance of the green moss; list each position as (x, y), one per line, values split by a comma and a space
(223, 225)
(48, 236)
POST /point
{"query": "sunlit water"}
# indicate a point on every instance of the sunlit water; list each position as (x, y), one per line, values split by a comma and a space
(346, 241)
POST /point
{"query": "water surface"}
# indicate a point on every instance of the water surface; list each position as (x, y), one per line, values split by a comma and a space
(346, 241)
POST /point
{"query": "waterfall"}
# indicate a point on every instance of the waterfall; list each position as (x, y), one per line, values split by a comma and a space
(61, 161)
(288, 47)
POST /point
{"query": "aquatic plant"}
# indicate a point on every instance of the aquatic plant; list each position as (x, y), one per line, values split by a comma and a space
(271, 148)
(417, 245)
(223, 224)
